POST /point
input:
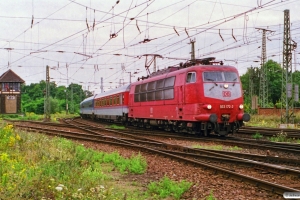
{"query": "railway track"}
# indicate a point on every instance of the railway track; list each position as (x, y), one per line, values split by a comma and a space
(270, 132)
(79, 131)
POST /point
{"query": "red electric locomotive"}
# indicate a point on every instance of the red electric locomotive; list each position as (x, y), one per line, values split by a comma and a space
(199, 99)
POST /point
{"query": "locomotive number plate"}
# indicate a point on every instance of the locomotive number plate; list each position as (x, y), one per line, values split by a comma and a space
(226, 106)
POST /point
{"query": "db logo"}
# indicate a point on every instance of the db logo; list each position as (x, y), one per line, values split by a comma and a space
(226, 94)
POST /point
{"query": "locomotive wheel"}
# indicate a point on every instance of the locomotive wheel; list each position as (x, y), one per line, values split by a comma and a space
(175, 129)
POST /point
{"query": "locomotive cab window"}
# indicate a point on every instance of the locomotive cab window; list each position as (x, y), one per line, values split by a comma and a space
(217, 76)
(230, 77)
(191, 77)
(212, 76)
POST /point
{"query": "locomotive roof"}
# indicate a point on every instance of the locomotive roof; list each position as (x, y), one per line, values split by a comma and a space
(176, 70)
(114, 91)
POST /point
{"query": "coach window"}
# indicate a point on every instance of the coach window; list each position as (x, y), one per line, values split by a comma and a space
(191, 77)
(118, 99)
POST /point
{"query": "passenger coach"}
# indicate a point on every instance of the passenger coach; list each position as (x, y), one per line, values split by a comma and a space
(112, 105)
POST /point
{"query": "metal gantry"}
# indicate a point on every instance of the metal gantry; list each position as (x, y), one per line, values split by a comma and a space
(287, 97)
(263, 81)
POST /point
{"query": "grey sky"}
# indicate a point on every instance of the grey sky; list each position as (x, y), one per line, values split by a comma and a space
(63, 34)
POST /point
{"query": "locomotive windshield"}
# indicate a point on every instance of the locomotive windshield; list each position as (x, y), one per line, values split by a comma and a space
(220, 76)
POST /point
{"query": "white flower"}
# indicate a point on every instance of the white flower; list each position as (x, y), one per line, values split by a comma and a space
(58, 188)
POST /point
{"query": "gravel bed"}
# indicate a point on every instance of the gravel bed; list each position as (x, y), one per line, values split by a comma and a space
(203, 181)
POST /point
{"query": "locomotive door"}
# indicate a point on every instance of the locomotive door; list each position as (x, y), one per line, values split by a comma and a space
(180, 95)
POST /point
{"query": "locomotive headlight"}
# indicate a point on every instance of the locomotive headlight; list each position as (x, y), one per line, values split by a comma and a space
(209, 106)
(225, 86)
(241, 106)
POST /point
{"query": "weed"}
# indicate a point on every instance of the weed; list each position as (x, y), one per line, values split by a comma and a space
(235, 148)
(280, 137)
(213, 147)
(257, 136)
(116, 127)
(166, 187)
(211, 196)
(59, 169)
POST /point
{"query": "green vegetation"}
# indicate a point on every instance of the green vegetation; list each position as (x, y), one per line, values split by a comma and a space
(34, 117)
(116, 127)
(264, 121)
(33, 97)
(166, 187)
(257, 136)
(217, 147)
(280, 137)
(211, 196)
(274, 87)
(34, 166)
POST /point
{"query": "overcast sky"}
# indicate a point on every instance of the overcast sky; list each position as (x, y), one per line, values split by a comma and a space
(84, 40)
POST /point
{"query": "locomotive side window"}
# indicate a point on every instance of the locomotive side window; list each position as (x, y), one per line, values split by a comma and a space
(150, 96)
(143, 96)
(169, 93)
(143, 87)
(169, 82)
(160, 84)
(155, 90)
(159, 95)
(151, 85)
(137, 89)
(191, 77)
(136, 97)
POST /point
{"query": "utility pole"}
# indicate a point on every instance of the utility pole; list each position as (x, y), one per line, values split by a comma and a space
(47, 97)
(253, 71)
(67, 105)
(263, 81)
(101, 86)
(287, 97)
(192, 49)
(72, 103)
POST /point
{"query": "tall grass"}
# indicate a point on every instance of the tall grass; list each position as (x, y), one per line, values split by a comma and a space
(34, 166)
(34, 117)
(166, 187)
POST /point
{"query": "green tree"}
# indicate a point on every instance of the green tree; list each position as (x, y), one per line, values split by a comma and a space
(274, 77)
(33, 97)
